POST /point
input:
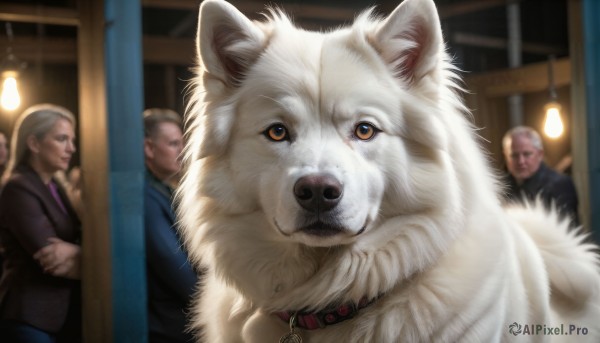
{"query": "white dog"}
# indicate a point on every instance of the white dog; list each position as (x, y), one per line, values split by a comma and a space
(336, 193)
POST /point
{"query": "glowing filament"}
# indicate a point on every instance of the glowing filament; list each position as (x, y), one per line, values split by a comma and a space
(553, 126)
(10, 98)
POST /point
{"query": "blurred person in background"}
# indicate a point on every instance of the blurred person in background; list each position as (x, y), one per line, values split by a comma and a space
(529, 177)
(40, 297)
(171, 279)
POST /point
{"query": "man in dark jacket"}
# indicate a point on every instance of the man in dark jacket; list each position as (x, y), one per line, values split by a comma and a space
(170, 277)
(529, 177)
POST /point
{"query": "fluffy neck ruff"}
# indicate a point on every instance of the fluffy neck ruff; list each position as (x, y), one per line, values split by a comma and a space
(276, 275)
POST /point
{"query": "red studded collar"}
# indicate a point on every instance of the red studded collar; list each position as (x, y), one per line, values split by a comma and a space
(329, 316)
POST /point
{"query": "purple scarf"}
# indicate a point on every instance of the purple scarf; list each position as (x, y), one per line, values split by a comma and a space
(54, 190)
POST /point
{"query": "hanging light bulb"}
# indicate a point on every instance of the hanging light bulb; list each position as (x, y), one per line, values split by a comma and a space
(553, 126)
(10, 98)
(10, 66)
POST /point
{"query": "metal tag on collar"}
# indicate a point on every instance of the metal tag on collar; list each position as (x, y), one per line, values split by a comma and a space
(292, 336)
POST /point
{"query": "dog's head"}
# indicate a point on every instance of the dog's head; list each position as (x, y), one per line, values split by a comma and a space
(325, 134)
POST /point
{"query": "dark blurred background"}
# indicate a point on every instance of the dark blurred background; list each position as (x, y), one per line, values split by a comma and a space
(44, 36)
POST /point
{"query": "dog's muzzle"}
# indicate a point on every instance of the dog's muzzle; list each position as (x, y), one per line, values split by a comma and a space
(318, 193)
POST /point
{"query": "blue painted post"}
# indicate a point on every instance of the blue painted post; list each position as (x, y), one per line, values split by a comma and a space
(124, 82)
(591, 35)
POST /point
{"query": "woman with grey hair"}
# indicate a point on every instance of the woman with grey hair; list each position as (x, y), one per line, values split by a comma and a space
(40, 232)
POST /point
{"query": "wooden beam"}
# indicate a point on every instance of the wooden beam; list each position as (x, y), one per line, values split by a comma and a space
(97, 264)
(251, 8)
(157, 50)
(169, 50)
(579, 117)
(68, 16)
(527, 79)
(39, 14)
(466, 7)
(455, 8)
(48, 50)
(502, 43)
(173, 4)
(328, 13)
(111, 103)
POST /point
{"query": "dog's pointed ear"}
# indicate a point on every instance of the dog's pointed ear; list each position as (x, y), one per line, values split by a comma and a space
(410, 39)
(227, 42)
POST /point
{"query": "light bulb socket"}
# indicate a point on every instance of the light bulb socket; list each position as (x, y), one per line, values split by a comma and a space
(9, 73)
(552, 104)
(11, 64)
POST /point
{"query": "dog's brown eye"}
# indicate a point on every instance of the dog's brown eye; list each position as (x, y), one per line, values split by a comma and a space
(277, 133)
(365, 131)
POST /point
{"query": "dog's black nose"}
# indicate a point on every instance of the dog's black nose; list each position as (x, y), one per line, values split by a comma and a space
(318, 192)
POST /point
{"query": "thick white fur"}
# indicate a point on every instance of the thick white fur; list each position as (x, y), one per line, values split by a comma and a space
(449, 263)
